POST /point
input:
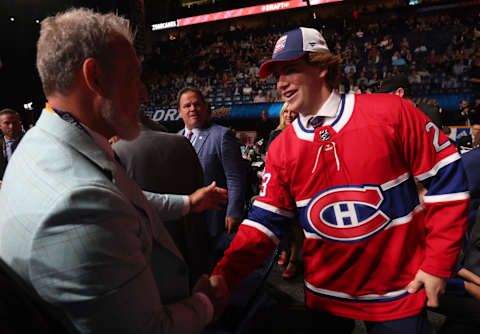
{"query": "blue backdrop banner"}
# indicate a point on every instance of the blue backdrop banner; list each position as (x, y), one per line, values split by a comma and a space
(233, 111)
(446, 102)
(254, 110)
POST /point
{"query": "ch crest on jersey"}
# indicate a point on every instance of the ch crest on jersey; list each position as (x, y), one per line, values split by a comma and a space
(347, 214)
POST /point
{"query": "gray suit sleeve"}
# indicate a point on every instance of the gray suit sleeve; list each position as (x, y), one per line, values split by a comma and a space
(168, 207)
(90, 257)
(235, 173)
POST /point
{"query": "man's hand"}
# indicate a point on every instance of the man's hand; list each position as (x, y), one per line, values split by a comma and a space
(469, 276)
(473, 289)
(204, 285)
(231, 224)
(472, 282)
(113, 140)
(216, 290)
(434, 286)
(221, 293)
(207, 198)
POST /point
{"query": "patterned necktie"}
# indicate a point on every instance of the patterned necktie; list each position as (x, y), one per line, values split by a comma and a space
(189, 135)
(317, 121)
(10, 148)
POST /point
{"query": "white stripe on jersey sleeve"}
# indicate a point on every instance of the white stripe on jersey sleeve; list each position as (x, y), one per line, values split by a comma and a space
(302, 203)
(274, 209)
(392, 183)
(447, 197)
(442, 163)
(405, 219)
(262, 228)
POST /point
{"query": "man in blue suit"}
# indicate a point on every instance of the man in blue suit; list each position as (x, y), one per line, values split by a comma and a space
(74, 226)
(220, 156)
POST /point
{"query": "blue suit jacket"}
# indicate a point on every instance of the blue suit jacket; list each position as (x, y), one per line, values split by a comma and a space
(219, 153)
(471, 164)
(79, 231)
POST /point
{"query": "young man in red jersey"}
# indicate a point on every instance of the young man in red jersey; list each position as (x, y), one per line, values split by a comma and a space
(348, 165)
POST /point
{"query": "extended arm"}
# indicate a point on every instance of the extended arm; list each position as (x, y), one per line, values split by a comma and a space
(91, 258)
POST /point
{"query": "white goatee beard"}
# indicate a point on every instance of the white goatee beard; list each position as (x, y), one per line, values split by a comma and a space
(121, 125)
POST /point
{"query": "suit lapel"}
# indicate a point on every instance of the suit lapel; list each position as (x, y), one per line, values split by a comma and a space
(201, 139)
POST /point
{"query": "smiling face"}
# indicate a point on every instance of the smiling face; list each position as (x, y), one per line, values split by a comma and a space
(289, 116)
(192, 110)
(299, 83)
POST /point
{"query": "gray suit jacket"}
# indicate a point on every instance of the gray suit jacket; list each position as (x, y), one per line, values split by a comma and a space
(79, 231)
(219, 153)
(167, 163)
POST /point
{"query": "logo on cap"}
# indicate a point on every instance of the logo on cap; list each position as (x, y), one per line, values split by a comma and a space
(280, 44)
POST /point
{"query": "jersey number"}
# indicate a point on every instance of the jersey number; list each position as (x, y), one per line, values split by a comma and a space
(263, 187)
(436, 137)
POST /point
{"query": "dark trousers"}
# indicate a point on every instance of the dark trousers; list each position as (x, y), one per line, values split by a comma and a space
(463, 314)
(302, 320)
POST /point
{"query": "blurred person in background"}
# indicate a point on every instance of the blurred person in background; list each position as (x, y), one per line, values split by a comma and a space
(166, 163)
(400, 85)
(12, 134)
(263, 128)
(471, 140)
(219, 153)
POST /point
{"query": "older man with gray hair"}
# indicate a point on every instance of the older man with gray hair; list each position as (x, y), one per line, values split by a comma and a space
(74, 226)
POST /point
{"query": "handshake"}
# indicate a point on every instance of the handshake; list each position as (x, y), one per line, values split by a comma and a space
(216, 290)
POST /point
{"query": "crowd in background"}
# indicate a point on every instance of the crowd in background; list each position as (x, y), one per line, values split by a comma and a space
(437, 52)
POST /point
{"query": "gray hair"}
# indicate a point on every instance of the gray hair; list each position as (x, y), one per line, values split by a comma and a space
(69, 38)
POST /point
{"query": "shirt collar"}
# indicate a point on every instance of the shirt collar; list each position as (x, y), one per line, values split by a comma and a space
(101, 141)
(195, 131)
(97, 138)
(9, 140)
(329, 110)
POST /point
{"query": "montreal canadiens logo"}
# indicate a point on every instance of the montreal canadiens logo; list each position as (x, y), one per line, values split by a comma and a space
(347, 214)
(280, 44)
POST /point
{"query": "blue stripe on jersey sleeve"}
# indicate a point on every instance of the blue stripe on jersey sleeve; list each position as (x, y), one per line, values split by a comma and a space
(276, 223)
(400, 200)
(449, 179)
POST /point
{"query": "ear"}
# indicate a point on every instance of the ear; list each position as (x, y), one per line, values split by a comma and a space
(400, 92)
(93, 76)
(322, 73)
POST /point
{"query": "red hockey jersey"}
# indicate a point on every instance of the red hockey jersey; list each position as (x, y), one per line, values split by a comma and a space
(352, 183)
